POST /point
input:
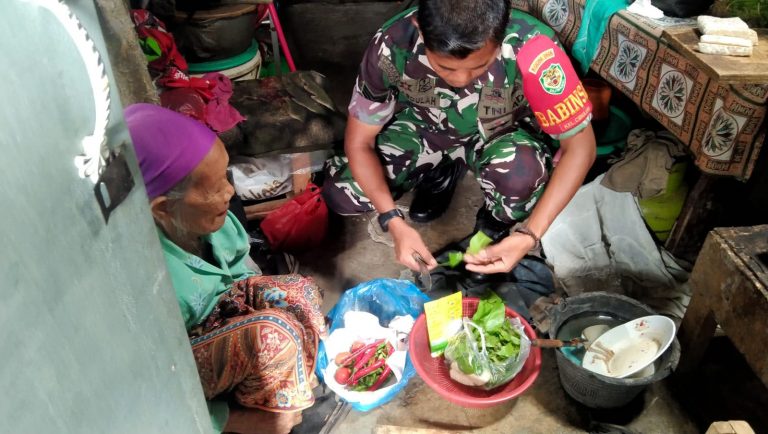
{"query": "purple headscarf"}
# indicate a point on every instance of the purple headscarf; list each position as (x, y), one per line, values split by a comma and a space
(168, 145)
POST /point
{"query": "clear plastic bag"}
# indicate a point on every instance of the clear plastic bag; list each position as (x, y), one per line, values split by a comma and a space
(470, 364)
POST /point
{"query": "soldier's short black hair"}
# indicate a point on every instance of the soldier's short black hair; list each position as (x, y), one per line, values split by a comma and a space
(460, 27)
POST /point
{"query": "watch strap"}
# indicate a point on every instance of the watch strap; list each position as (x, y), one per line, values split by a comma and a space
(384, 218)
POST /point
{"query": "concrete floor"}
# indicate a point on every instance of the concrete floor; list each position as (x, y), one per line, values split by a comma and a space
(351, 251)
(542, 409)
(351, 256)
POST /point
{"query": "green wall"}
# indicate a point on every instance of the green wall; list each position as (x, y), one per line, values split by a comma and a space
(91, 340)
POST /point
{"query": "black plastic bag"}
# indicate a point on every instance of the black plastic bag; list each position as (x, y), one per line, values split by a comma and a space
(683, 8)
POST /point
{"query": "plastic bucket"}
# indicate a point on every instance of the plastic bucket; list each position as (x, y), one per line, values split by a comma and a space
(215, 34)
(595, 390)
(245, 66)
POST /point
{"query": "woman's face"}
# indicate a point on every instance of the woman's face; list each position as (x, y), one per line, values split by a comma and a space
(203, 209)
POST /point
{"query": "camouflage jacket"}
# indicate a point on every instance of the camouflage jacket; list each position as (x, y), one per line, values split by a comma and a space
(395, 75)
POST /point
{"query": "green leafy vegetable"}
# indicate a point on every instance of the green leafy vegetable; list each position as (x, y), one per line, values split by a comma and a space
(464, 356)
(366, 382)
(490, 312)
(454, 259)
(502, 346)
(501, 340)
(478, 242)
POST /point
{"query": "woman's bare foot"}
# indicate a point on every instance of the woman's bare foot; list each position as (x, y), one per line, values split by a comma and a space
(253, 421)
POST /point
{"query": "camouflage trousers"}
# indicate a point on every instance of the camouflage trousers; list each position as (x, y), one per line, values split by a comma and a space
(512, 169)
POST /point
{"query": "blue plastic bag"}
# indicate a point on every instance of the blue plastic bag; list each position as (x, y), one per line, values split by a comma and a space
(386, 299)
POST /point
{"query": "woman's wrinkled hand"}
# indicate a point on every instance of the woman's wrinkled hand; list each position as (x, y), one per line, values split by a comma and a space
(407, 242)
(254, 421)
(501, 257)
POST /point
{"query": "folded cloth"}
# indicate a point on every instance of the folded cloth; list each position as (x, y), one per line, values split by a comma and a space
(644, 167)
(600, 241)
(726, 40)
(734, 26)
(724, 50)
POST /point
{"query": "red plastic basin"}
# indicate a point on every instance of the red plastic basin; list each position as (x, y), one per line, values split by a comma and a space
(434, 371)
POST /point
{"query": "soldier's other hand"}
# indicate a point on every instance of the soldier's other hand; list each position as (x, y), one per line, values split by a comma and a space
(407, 242)
(501, 257)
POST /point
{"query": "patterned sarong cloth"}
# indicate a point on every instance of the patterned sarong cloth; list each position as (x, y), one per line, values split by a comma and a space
(260, 343)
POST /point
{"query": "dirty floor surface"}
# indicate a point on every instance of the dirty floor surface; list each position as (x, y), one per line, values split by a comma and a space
(351, 257)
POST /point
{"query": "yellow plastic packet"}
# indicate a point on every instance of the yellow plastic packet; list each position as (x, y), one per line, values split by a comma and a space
(443, 321)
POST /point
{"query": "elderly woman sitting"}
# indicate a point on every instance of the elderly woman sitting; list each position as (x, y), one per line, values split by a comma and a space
(254, 337)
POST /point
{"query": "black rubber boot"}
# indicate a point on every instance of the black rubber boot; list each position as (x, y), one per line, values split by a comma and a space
(484, 221)
(496, 230)
(433, 194)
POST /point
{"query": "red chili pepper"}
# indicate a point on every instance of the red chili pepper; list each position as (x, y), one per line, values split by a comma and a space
(353, 357)
(365, 371)
(356, 355)
(382, 379)
(365, 358)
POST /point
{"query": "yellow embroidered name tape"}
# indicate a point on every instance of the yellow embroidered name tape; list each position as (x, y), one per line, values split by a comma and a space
(540, 59)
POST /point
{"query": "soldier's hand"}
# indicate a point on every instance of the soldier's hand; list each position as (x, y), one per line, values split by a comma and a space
(407, 241)
(501, 257)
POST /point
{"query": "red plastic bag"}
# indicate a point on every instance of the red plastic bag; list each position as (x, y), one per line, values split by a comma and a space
(298, 225)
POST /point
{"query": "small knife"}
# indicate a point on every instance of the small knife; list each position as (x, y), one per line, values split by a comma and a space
(425, 278)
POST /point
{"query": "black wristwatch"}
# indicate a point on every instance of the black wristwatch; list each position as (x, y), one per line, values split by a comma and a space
(384, 218)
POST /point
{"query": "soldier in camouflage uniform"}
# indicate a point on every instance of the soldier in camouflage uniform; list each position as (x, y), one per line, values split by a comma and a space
(442, 82)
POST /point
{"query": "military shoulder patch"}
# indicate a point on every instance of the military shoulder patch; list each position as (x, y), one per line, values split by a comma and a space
(552, 87)
(552, 79)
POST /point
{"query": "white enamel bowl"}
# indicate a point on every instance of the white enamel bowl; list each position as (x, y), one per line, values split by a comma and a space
(629, 348)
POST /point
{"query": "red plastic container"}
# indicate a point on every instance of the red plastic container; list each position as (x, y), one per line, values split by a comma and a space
(434, 371)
